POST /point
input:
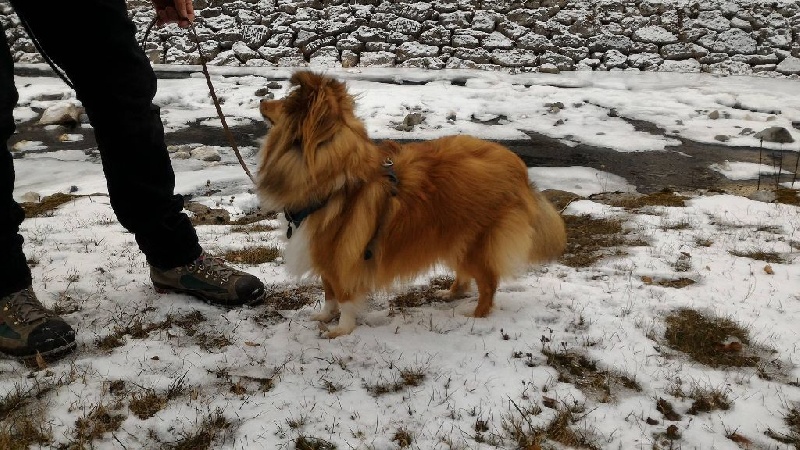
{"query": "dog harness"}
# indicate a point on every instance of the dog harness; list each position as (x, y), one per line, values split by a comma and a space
(295, 218)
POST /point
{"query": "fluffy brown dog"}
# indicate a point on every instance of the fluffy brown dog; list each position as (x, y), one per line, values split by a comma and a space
(363, 215)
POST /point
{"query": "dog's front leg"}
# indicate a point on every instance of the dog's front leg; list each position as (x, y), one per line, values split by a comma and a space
(331, 306)
(347, 319)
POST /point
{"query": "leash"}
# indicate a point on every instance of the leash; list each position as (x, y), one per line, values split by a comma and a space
(211, 91)
(66, 80)
(44, 54)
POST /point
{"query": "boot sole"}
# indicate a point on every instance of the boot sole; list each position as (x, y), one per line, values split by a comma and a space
(48, 356)
(162, 289)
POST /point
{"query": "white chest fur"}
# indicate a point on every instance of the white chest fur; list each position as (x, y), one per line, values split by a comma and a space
(297, 251)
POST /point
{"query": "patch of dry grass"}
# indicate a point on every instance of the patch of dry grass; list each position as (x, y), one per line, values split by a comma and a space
(589, 239)
(138, 329)
(665, 197)
(676, 283)
(253, 228)
(100, 420)
(23, 420)
(281, 297)
(792, 420)
(760, 255)
(253, 255)
(600, 384)
(312, 443)
(405, 378)
(561, 429)
(403, 438)
(787, 196)
(206, 435)
(47, 204)
(708, 340)
(423, 295)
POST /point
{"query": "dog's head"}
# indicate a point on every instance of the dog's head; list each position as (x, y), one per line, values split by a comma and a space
(313, 134)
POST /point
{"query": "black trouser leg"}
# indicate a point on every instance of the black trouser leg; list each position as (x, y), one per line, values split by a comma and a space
(115, 83)
(14, 272)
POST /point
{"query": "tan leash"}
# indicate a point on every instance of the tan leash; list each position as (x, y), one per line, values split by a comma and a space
(228, 133)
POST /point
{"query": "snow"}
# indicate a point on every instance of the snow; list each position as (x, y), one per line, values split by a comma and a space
(475, 371)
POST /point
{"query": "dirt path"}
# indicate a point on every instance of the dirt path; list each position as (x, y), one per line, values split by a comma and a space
(683, 168)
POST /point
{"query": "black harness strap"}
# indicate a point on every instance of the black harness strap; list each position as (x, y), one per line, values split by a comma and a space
(295, 218)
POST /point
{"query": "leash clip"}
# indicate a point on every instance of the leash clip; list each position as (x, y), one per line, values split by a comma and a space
(387, 162)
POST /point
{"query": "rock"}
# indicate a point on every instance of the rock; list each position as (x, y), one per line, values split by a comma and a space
(497, 40)
(409, 50)
(31, 197)
(515, 58)
(714, 115)
(645, 61)
(244, 52)
(655, 35)
(763, 196)
(683, 51)
(775, 134)
(205, 153)
(66, 114)
(615, 58)
(548, 68)
(735, 41)
(722, 138)
(376, 59)
(789, 66)
(686, 66)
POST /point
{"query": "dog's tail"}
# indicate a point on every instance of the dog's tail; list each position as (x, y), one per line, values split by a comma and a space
(548, 233)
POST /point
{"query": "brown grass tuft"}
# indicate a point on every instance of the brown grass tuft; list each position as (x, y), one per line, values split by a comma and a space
(253, 255)
(47, 205)
(312, 443)
(206, 435)
(665, 197)
(703, 338)
(760, 255)
(600, 384)
(590, 239)
(99, 421)
(422, 295)
(408, 377)
(292, 298)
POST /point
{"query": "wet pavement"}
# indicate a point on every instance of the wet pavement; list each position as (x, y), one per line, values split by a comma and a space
(683, 167)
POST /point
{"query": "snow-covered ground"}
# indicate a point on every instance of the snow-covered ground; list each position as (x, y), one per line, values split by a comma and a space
(423, 372)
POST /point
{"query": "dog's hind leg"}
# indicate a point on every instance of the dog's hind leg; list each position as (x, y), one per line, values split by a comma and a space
(487, 282)
(331, 306)
(458, 289)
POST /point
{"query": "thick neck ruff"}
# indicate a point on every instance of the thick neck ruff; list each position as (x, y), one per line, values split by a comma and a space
(296, 217)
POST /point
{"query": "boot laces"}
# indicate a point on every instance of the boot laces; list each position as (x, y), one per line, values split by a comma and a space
(26, 307)
(215, 267)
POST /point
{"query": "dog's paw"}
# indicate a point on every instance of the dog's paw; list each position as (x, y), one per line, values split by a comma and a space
(332, 333)
(323, 316)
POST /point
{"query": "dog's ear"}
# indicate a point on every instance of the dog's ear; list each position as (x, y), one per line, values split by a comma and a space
(315, 108)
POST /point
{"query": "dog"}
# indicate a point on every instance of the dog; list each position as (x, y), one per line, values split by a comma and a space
(363, 216)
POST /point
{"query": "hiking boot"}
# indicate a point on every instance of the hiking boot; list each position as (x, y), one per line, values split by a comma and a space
(211, 280)
(28, 328)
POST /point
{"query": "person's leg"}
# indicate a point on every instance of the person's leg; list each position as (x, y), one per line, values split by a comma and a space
(26, 327)
(14, 272)
(114, 81)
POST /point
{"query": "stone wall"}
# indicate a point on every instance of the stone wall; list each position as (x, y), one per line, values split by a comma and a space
(718, 36)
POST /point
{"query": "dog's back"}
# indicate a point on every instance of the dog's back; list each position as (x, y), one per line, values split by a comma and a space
(466, 201)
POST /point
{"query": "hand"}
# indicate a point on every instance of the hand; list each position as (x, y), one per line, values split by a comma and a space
(174, 11)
